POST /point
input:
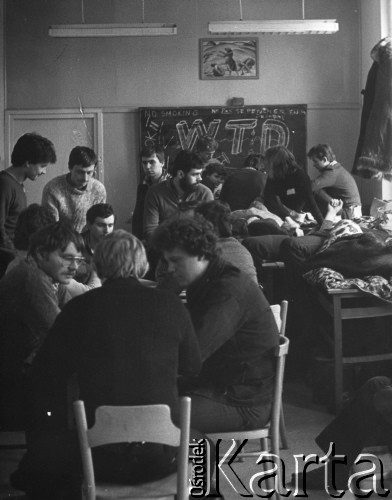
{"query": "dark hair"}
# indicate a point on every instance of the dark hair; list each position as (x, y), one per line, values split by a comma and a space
(193, 235)
(153, 150)
(186, 208)
(219, 215)
(280, 161)
(30, 220)
(33, 148)
(254, 160)
(214, 167)
(55, 236)
(186, 160)
(320, 151)
(102, 210)
(82, 155)
(206, 143)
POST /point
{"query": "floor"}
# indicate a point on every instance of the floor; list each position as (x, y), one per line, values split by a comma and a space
(304, 420)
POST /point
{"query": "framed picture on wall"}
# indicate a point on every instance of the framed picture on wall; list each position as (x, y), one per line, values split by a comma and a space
(229, 58)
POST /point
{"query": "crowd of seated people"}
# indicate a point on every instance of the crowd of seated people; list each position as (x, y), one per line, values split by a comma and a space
(74, 303)
(38, 309)
(126, 343)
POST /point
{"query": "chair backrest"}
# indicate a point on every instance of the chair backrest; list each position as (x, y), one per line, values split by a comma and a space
(126, 424)
(280, 314)
(280, 353)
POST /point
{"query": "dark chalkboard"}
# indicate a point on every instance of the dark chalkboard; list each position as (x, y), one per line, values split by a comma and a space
(238, 130)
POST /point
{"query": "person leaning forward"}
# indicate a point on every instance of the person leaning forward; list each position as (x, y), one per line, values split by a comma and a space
(234, 325)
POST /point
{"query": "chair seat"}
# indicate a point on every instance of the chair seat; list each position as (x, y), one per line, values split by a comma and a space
(162, 488)
(240, 435)
(165, 487)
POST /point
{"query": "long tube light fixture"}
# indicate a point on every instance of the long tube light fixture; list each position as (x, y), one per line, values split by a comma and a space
(279, 26)
(111, 30)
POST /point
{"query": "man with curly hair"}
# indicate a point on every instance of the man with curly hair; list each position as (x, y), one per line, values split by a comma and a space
(234, 324)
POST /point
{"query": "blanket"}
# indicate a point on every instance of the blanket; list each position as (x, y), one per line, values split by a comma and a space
(358, 259)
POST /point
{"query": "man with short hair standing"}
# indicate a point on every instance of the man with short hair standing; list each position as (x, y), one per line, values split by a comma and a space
(29, 159)
(234, 324)
(163, 199)
(31, 296)
(69, 196)
(153, 163)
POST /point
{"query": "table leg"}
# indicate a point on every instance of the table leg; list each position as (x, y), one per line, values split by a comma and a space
(338, 351)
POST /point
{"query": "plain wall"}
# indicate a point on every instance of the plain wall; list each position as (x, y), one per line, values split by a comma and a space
(119, 75)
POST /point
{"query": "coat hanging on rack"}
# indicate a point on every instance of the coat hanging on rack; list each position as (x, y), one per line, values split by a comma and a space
(373, 158)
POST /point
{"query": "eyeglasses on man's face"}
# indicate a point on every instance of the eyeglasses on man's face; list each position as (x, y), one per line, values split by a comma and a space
(70, 259)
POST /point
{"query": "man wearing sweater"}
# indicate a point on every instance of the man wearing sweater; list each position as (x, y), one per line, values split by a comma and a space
(69, 196)
(29, 159)
(334, 181)
(31, 296)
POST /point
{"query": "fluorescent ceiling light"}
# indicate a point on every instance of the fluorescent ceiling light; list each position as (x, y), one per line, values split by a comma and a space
(111, 30)
(278, 27)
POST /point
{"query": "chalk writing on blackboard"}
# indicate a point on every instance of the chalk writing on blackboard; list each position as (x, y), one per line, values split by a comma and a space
(238, 130)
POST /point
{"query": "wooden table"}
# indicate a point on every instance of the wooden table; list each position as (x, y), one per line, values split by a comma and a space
(334, 302)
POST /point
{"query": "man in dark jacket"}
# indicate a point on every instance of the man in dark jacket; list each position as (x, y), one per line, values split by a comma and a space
(153, 163)
(234, 324)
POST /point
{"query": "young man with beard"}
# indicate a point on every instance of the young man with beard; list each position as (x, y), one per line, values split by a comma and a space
(31, 296)
(163, 199)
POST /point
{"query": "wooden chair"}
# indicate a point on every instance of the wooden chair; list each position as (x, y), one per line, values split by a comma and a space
(12, 446)
(271, 430)
(12, 440)
(119, 424)
(280, 314)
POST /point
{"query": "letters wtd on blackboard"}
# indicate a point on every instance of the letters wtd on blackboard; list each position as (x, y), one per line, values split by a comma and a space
(238, 130)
